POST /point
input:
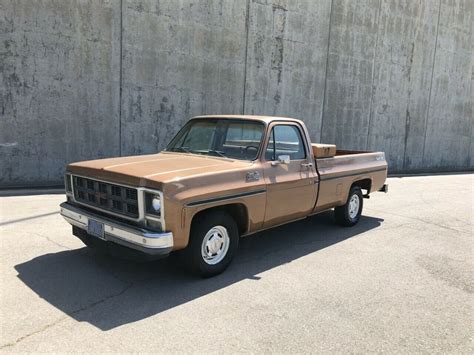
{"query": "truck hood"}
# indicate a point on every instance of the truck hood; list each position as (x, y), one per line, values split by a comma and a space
(153, 170)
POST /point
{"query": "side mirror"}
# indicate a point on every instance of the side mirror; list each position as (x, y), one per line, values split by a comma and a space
(282, 159)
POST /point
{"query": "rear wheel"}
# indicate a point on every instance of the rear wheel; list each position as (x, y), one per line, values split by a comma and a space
(213, 243)
(349, 214)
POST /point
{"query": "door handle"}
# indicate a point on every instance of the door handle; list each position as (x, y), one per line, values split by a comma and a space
(307, 165)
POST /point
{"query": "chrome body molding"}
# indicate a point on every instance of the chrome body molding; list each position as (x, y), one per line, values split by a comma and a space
(323, 178)
(133, 237)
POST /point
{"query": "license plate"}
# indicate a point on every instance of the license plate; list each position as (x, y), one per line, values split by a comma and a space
(96, 229)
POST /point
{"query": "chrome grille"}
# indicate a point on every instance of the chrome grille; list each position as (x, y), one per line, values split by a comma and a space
(105, 196)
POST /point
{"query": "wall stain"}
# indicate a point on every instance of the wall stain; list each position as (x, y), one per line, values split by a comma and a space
(259, 53)
(135, 108)
(406, 161)
(165, 118)
(279, 24)
(277, 57)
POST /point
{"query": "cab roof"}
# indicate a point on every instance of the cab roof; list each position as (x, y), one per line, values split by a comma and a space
(265, 119)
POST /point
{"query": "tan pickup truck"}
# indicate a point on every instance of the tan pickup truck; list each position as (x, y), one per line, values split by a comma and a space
(220, 178)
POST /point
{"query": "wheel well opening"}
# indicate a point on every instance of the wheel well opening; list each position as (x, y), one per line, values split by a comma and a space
(364, 184)
(237, 211)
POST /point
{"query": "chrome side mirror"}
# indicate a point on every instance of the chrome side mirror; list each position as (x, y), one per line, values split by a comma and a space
(282, 159)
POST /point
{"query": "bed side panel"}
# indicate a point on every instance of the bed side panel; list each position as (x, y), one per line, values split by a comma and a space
(338, 173)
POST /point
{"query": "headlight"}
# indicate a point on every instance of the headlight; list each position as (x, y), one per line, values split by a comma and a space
(153, 204)
(156, 204)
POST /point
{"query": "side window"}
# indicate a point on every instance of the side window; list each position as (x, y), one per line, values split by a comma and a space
(285, 140)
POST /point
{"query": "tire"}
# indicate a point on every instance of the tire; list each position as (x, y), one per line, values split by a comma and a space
(349, 214)
(213, 244)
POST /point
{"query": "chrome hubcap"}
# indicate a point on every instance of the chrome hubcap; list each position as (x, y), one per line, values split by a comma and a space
(354, 203)
(215, 245)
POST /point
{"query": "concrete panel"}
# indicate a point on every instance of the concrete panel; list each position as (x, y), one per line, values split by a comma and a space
(286, 60)
(403, 64)
(180, 59)
(353, 36)
(58, 87)
(449, 125)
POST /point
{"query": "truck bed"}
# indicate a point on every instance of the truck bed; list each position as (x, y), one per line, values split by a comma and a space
(338, 169)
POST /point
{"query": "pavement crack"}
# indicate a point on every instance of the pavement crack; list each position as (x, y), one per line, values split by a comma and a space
(52, 241)
(105, 299)
(58, 244)
(37, 331)
(77, 311)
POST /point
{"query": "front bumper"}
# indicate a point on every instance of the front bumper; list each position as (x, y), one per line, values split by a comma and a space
(143, 242)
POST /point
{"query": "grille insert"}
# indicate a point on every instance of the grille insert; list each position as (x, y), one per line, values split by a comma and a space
(108, 197)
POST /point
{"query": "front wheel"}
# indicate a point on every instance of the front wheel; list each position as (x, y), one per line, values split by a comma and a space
(213, 243)
(349, 214)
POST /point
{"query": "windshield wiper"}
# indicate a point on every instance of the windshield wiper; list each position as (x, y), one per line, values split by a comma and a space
(217, 152)
(181, 148)
(187, 150)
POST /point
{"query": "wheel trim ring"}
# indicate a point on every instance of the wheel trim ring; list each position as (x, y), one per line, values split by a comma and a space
(215, 245)
(354, 206)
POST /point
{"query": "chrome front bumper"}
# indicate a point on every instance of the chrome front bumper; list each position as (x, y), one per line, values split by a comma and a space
(142, 240)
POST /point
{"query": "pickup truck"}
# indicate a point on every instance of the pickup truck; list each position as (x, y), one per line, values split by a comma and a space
(220, 178)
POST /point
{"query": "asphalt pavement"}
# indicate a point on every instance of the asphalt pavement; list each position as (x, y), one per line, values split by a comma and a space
(400, 281)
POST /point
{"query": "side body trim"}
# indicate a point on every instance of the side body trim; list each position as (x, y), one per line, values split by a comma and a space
(353, 174)
(222, 198)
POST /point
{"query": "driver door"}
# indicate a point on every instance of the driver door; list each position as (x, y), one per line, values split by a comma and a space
(291, 188)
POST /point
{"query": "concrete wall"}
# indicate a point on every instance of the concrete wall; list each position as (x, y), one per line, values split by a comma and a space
(59, 87)
(180, 59)
(87, 79)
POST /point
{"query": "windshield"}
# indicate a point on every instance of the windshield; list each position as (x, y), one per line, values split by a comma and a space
(235, 139)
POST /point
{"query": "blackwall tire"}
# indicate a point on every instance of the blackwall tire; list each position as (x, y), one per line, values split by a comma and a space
(349, 214)
(213, 244)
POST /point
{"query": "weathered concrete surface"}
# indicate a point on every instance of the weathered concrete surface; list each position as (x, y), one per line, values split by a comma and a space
(449, 125)
(59, 86)
(403, 65)
(179, 60)
(286, 60)
(87, 79)
(398, 282)
(399, 80)
(352, 40)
